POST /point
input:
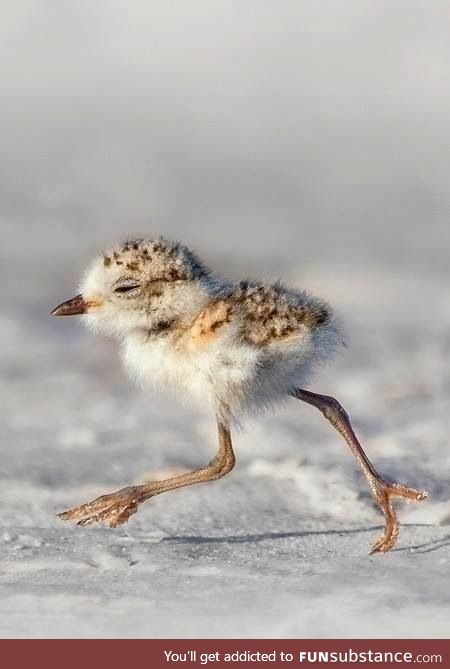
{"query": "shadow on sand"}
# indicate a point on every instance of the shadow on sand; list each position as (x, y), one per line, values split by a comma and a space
(426, 547)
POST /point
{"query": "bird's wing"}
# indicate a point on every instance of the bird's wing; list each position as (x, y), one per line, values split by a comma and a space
(273, 313)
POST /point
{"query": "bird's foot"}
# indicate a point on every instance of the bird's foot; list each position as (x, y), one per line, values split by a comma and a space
(113, 509)
(384, 493)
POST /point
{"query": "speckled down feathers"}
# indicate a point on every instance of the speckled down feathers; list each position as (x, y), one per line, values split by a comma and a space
(171, 261)
(238, 345)
(273, 312)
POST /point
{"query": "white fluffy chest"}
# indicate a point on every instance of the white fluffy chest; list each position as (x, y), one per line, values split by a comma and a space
(216, 374)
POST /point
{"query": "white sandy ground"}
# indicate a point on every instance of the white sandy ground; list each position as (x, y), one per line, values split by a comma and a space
(277, 549)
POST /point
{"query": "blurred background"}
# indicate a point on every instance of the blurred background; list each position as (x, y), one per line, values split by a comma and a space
(270, 134)
(304, 140)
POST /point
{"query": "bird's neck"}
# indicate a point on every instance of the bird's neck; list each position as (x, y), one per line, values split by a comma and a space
(178, 314)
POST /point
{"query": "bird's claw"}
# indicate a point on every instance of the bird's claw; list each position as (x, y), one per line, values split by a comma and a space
(112, 510)
(384, 492)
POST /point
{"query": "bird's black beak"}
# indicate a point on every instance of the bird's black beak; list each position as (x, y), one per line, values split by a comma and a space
(77, 305)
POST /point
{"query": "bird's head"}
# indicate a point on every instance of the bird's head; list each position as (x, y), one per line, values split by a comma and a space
(139, 285)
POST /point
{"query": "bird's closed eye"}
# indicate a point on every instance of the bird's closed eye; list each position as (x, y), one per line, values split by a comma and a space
(126, 288)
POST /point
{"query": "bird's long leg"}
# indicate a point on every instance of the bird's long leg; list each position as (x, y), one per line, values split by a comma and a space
(116, 508)
(382, 491)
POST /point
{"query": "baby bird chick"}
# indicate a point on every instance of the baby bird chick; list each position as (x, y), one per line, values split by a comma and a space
(235, 347)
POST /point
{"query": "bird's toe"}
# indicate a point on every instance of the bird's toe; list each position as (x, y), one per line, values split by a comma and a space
(112, 510)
